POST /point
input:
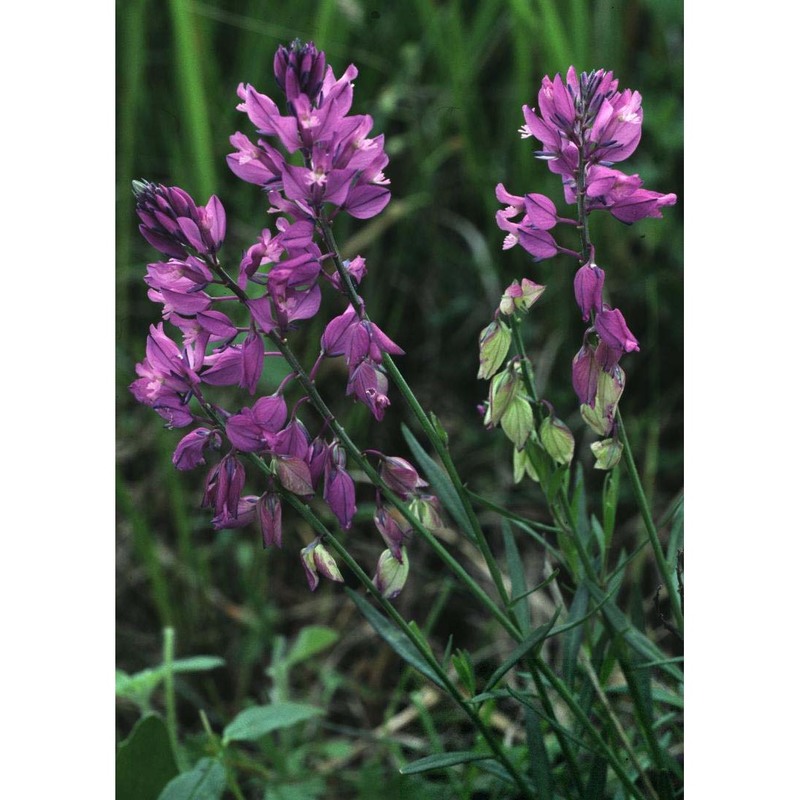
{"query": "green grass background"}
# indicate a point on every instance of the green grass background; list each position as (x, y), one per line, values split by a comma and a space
(445, 82)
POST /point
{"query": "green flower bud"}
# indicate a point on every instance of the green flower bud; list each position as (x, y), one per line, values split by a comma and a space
(493, 347)
(557, 440)
(517, 421)
(607, 452)
(520, 296)
(318, 561)
(609, 390)
(505, 387)
(428, 511)
(523, 466)
(391, 574)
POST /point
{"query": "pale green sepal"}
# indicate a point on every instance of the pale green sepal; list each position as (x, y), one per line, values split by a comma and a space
(517, 422)
(608, 452)
(557, 440)
(495, 341)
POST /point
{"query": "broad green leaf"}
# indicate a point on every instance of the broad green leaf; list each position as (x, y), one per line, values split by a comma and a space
(139, 687)
(440, 483)
(145, 762)
(442, 761)
(205, 781)
(253, 723)
(395, 638)
(311, 640)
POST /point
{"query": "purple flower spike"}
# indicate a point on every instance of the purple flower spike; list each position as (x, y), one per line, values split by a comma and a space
(541, 211)
(400, 476)
(189, 452)
(224, 486)
(394, 528)
(585, 374)
(589, 289)
(540, 244)
(173, 222)
(612, 330)
(252, 360)
(339, 491)
(268, 516)
(340, 494)
(299, 69)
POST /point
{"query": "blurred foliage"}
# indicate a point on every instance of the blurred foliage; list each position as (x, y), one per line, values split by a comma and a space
(445, 82)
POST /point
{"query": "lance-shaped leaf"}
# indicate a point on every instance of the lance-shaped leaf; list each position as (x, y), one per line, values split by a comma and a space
(395, 638)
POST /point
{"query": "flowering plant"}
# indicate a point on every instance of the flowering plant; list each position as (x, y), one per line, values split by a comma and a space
(284, 446)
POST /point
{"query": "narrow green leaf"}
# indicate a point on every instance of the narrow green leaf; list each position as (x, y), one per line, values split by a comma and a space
(599, 535)
(516, 572)
(610, 500)
(521, 650)
(521, 697)
(253, 723)
(145, 762)
(197, 663)
(634, 637)
(540, 768)
(462, 663)
(442, 761)
(191, 89)
(596, 783)
(572, 640)
(395, 638)
(440, 483)
(206, 781)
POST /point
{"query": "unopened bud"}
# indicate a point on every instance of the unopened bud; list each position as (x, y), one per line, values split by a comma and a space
(523, 466)
(517, 421)
(493, 347)
(505, 387)
(607, 452)
(318, 561)
(520, 296)
(557, 440)
(391, 574)
(428, 511)
(609, 391)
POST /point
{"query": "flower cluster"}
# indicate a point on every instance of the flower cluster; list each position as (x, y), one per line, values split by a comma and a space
(227, 318)
(585, 126)
(342, 167)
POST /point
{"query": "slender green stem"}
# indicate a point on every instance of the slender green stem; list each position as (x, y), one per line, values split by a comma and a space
(169, 693)
(455, 479)
(527, 369)
(652, 532)
(566, 747)
(396, 617)
(423, 419)
(590, 727)
(358, 457)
